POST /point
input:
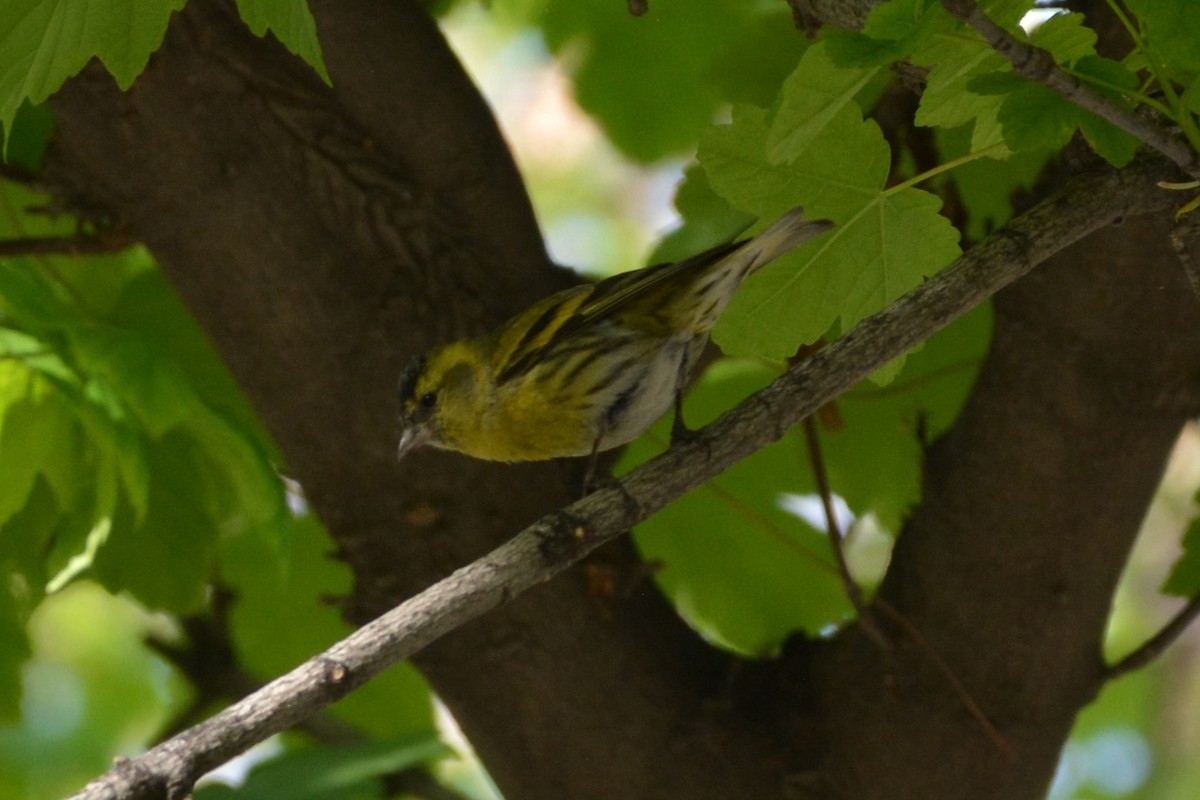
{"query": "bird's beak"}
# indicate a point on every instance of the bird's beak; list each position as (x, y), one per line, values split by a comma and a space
(413, 436)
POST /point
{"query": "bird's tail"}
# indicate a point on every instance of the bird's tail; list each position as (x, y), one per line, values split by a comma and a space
(788, 233)
(728, 266)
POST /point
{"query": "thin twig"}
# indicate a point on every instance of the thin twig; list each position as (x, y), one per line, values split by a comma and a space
(1155, 646)
(865, 615)
(562, 538)
(1036, 64)
(107, 242)
(853, 591)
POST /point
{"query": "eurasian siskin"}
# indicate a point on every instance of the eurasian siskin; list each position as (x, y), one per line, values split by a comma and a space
(587, 369)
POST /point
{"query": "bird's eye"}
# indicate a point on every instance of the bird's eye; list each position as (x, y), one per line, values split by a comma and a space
(429, 400)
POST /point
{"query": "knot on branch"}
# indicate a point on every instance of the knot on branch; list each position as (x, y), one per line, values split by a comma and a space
(333, 672)
(561, 537)
(143, 781)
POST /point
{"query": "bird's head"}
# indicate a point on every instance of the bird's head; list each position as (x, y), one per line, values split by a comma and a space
(442, 397)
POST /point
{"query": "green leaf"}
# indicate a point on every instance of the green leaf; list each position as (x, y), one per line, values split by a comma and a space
(891, 33)
(119, 452)
(154, 388)
(1171, 28)
(747, 573)
(344, 772)
(886, 241)
(854, 49)
(834, 174)
(146, 309)
(36, 438)
(887, 248)
(97, 436)
(25, 538)
(44, 42)
(14, 645)
(249, 483)
(92, 687)
(168, 560)
(737, 566)
(901, 20)
(162, 398)
(1184, 580)
(1112, 144)
(28, 298)
(137, 362)
(1066, 37)
(757, 57)
(708, 219)
(815, 98)
(986, 185)
(1035, 117)
(1007, 13)
(1112, 78)
(25, 143)
(1191, 96)
(955, 57)
(283, 615)
(292, 23)
(107, 342)
(647, 79)
(874, 457)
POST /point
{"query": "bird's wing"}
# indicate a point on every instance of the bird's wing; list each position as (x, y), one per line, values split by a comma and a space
(558, 319)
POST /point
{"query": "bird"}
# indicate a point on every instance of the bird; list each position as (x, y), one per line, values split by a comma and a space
(587, 369)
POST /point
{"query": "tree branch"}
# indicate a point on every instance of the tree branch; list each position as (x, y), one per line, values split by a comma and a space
(853, 591)
(1036, 64)
(562, 538)
(1155, 645)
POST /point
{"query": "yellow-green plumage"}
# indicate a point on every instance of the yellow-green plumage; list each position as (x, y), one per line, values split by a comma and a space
(587, 369)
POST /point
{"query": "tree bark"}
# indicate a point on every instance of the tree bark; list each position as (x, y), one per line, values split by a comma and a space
(324, 236)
